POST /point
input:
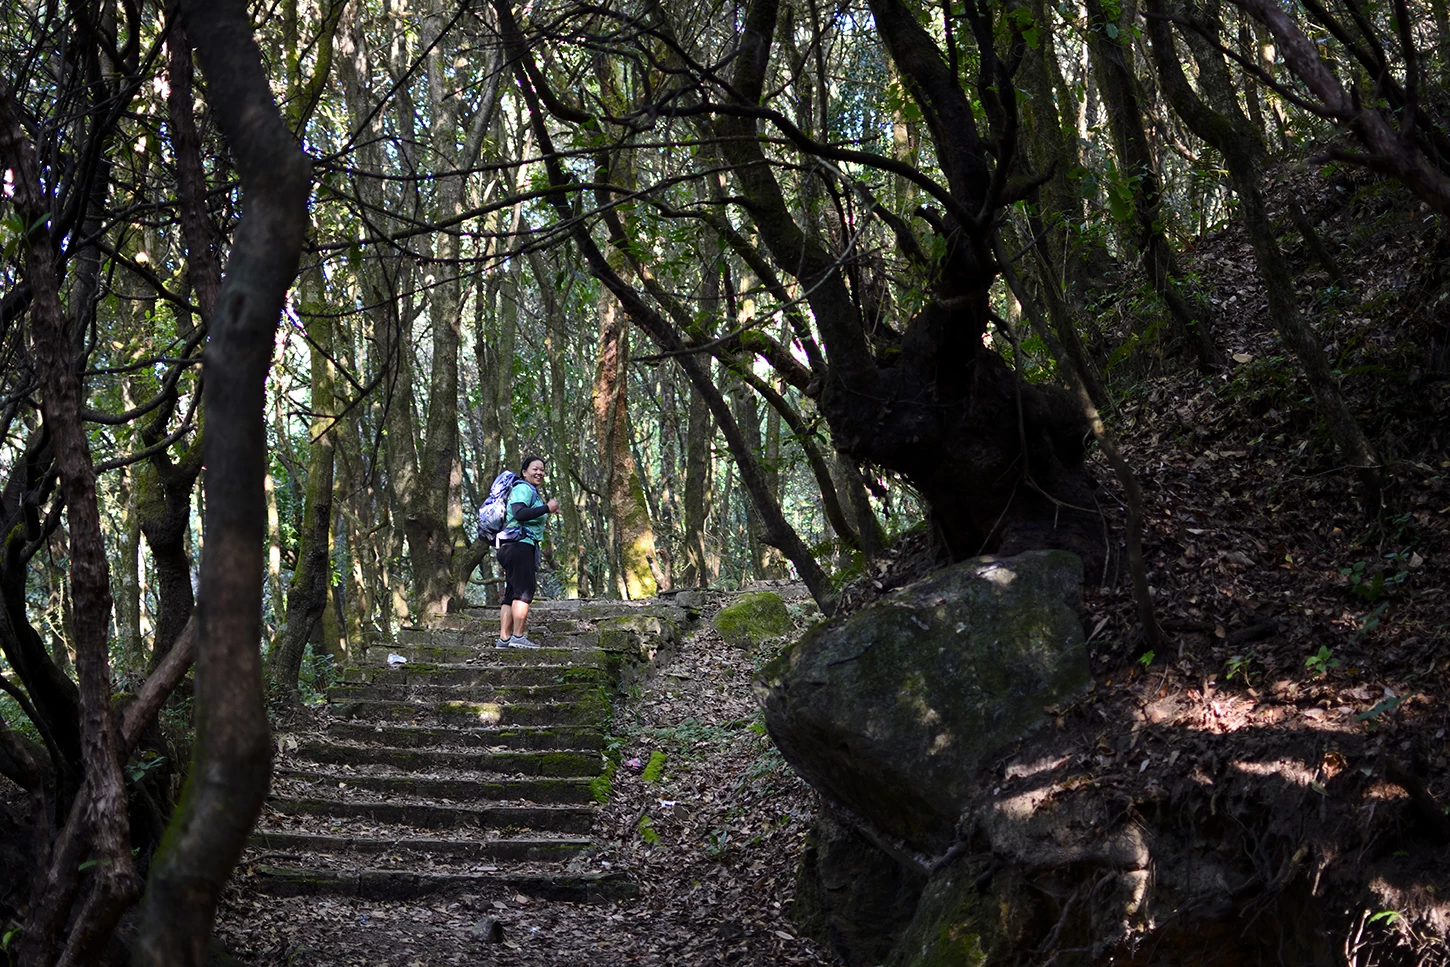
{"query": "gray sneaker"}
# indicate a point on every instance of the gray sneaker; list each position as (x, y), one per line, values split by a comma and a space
(519, 641)
(502, 643)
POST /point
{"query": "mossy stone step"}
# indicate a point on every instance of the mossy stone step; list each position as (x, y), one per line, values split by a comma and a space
(554, 819)
(466, 713)
(538, 790)
(513, 849)
(540, 763)
(401, 885)
(387, 691)
(433, 673)
(569, 737)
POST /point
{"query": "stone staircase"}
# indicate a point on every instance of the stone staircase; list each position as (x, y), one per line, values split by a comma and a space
(464, 770)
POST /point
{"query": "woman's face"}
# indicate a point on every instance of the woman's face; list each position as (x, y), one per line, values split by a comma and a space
(534, 472)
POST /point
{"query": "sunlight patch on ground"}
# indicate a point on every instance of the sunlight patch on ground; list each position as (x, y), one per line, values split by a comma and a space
(1023, 770)
(1023, 805)
(1290, 770)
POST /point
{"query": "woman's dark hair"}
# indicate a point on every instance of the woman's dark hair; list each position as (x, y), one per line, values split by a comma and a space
(528, 460)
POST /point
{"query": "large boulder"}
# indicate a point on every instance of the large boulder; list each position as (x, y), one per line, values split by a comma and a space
(956, 922)
(891, 709)
(851, 895)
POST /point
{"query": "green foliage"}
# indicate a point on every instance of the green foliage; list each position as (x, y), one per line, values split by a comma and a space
(768, 764)
(717, 842)
(1321, 661)
(1386, 704)
(646, 830)
(1264, 382)
(136, 771)
(1371, 621)
(1372, 582)
(317, 674)
(1238, 666)
(1020, 19)
(690, 732)
(1122, 188)
(1146, 659)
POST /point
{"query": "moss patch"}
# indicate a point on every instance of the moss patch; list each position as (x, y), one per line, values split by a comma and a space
(655, 767)
(602, 785)
(753, 618)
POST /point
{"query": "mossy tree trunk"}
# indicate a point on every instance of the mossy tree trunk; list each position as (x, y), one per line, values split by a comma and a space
(628, 511)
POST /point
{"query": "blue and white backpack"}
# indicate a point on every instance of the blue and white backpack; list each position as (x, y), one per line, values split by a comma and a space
(495, 511)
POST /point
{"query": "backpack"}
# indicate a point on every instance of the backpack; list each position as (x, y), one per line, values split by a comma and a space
(495, 510)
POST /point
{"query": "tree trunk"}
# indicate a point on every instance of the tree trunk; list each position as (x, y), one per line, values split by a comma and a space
(1138, 177)
(699, 570)
(629, 514)
(307, 593)
(1000, 465)
(163, 505)
(567, 542)
(667, 489)
(106, 825)
(128, 601)
(231, 761)
(773, 565)
(747, 415)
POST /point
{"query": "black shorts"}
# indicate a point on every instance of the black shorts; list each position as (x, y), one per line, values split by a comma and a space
(520, 570)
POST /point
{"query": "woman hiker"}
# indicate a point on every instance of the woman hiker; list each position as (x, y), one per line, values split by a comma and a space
(527, 512)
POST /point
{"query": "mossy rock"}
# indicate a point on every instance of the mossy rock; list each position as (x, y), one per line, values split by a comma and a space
(852, 896)
(753, 618)
(956, 922)
(892, 709)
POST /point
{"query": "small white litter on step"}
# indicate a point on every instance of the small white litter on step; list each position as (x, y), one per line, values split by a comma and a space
(396, 660)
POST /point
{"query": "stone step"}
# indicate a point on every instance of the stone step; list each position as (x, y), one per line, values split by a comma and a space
(397, 692)
(473, 714)
(374, 884)
(551, 653)
(568, 737)
(566, 635)
(291, 782)
(536, 849)
(477, 674)
(424, 815)
(540, 763)
(547, 612)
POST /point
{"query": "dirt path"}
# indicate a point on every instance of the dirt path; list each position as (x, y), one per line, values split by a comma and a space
(706, 840)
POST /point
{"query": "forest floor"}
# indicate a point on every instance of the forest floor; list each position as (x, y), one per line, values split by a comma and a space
(713, 842)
